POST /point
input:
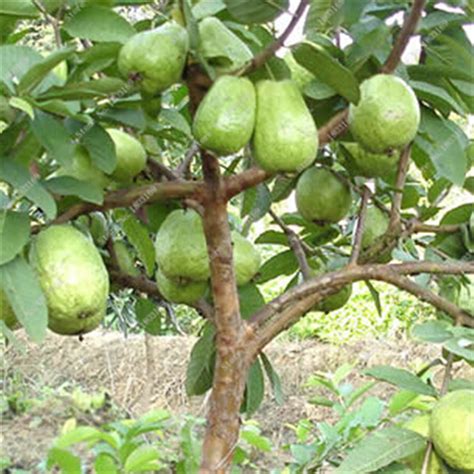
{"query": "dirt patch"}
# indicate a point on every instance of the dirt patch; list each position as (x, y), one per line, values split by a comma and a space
(117, 365)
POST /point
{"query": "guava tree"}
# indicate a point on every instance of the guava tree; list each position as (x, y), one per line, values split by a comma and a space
(163, 132)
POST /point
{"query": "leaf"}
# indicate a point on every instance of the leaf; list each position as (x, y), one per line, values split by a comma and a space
(65, 460)
(380, 449)
(256, 11)
(40, 70)
(328, 70)
(14, 234)
(437, 96)
(251, 300)
(69, 186)
(149, 316)
(101, 148)
(80, 434)
(52, 134)
(272, 237)
(19, 8)
(256, 202)
(324, 15)
(375, 296)
(273, 377)
(25, 185)
(401, 378)
(22, 105)
(144, 458)
(284, 263)
(254, 389)
(256, 440)
(203, 9)
(201, 363)
(137, 234)
(176, 120)
(103, 87)
(105, 464)
(99, 24)
(461, 346)
(432, 331)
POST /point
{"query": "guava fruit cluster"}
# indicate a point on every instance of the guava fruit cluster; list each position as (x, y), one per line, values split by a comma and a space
(450, 427)
(183, 261)
(73, 278)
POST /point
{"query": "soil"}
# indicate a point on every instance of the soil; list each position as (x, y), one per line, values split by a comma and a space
(105, 360)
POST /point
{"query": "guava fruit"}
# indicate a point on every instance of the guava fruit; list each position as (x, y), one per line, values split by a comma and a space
(180, 245)
(181, 290)
(131, 156)
(246, 259)
(82, 168)
(158, 55)
(225, 119)
(222, 49)
(421, 424)
(125, 259)
(376, 224)
(285, 137)
(300, 75)
(452, 429)
(6, 312)
(387, 116)
(73, 278)
(371, 165)
(321, 196)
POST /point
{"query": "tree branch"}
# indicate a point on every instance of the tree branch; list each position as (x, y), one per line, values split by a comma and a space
(356, 248)
(403, 166)
(403, 38)
(261, 58)
(335, 127)
(184, 167)
(247, 179)
(420, 227)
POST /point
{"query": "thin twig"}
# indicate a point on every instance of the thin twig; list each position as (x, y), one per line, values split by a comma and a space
(356, 248)
(183, 169)
(159, 169)
(50, 19)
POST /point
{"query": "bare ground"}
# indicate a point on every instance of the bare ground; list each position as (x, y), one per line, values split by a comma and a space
(105, 360)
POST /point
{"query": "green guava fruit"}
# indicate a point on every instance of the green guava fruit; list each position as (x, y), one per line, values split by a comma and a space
(73, 278)
(131, 156)
(387, 116)
(125, 259)
(300, 75)
(285, 138)
(247, 259)
(371, 165)
(376, 224)
(421, 424)
(222, 49)
(180, 245)
(321, 196)
(180, 291)
(7, 314)
(82, 168)
(225, 119)
(452, 429)
(158, 55)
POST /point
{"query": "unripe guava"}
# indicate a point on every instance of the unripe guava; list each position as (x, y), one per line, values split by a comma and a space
(285, 138)
(300, 75)
(73, 278)
(6, 312)
(421, 424)
(246, 259)
(225, 119)
(321, 196)
(371, 165)
(82, 168)
(180, 291)
(222, 49)
(131, 156)
(158, 56)
(125, 259)
(180, 246)
(452, 429)
(387, 116)
(376, 224)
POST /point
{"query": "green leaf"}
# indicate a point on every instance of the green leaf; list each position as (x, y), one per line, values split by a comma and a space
(251, 300)
(69, 186)
(52, 134)
(256, 440)
(273, 377)
(25, 296)
(101, 148)
(176, 120)
(256, 11)
(99, 24)
(437, 96)
(148, 315)
(432, 331)
(203, 9)
(201, 363)
(328, 70)
(257, 202)
(272, 237)
(65, 460)
(380, 449)
(25, 185)
(103, 87)
(401, 378)
(22, 105)
(284, 263)
(14, 234)
(80, 434)
(137, 234)
(323, 15)
(375, 297)
(461, 346)
(40, 70)
(19, 8)
(105, 464)
(254, 390)
(400, 401)
(144, 458)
